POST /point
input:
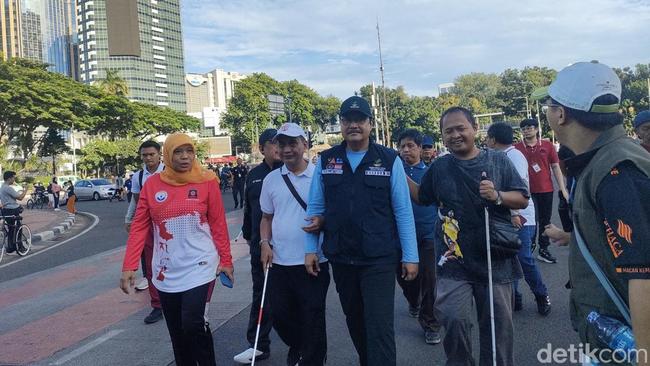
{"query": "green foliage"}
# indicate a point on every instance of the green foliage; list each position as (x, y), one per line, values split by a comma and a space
(110, 156)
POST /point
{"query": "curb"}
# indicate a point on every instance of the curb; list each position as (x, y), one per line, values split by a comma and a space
(59, 229)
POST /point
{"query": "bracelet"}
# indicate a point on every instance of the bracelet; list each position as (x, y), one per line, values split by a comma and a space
(265, 240)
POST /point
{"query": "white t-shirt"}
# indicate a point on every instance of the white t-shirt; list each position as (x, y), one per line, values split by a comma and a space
(136, 186)
(521, 164)
(288, 238)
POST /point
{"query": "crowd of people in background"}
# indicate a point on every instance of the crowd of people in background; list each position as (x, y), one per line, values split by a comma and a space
(456, 231)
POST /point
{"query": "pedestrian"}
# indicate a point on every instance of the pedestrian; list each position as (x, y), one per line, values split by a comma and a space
(238, 182)
(56, 192)
(359, 191)
(127, 185)
(461, 184)
(72, 198)
(297, 298)
(610, 200)
(251, 233)
(183, 207)
(10, 207)
(542, 159)
(642, 128)
(500, 138)
(428, 152)
(149, 152)
(421, 292)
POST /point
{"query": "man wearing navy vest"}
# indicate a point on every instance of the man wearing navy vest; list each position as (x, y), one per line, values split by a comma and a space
(360, 199)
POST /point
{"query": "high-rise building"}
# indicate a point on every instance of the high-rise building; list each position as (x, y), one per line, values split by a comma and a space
(207, 97)
(10, 29)
(139, 39)
(32, 35)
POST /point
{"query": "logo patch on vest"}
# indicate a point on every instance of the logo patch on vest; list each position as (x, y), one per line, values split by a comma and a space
(334, 166)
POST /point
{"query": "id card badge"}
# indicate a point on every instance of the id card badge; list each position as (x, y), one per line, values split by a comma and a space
(536, 168)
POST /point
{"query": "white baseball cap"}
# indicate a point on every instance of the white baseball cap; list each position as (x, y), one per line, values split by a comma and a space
(291, 130)
(578, 85)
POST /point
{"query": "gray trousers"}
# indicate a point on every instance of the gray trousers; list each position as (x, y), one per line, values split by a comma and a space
(454, 308)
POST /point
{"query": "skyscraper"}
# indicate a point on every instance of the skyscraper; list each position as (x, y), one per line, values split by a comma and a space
(10, 31)
(141, 40)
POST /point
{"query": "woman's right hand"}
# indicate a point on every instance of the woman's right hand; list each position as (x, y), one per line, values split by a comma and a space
(127, 281)
(267, 255)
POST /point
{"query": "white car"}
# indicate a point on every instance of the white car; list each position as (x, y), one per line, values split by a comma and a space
(94, 189)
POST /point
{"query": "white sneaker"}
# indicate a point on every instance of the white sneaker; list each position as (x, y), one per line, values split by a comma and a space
(246, 357)
(142, 285)
(57, 209)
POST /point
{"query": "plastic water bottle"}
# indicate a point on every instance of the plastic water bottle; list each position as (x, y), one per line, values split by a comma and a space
(616, 335)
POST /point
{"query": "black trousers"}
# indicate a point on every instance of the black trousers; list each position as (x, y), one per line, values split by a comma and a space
(12, 225)
(56, 199)
(264, 342)
(543, 210)
(238, 190)
(298, 303)
(367, 294)
(421, 292)
(190, 333)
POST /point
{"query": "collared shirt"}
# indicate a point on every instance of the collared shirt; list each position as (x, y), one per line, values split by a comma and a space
(288, 216)
(8, 196)
(540, 157)
(425, 216)
(400, 200)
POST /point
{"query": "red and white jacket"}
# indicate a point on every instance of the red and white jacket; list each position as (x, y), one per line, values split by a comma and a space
(189, 233)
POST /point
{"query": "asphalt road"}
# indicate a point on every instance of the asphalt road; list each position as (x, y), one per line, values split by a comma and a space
(108, 234)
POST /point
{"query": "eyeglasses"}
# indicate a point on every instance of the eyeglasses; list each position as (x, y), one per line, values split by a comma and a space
(347, 122)
(545, 107)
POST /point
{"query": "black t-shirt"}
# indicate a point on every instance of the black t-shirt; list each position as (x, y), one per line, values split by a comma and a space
(239, 174)
(440, 186)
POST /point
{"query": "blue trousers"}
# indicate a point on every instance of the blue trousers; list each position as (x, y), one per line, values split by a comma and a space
(528, 263)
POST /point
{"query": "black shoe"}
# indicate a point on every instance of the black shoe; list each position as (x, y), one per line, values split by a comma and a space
(519, 303)
(545, 256)
(154, 316)
(414, 311)
(293, 357)
(543, 305)
(10, 250)
(432, 337)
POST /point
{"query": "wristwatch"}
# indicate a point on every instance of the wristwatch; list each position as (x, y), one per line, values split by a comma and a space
(267, 241)
(499, 201)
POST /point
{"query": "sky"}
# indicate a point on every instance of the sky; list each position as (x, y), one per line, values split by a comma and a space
(331, 45)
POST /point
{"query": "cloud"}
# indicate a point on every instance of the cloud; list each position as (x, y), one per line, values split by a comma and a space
(332, 45)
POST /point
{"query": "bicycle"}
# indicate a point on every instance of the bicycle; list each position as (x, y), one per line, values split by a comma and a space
(37, 202)
(23, 235)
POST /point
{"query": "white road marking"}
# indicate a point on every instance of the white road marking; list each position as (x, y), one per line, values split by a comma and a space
(87, 347)
(57, 244)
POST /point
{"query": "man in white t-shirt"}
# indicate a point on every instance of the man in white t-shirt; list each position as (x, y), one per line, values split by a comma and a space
(150, 154)
(500, 137)
(296, 297)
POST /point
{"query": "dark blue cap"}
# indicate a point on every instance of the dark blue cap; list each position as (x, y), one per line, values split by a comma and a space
(427, 141)
(355, 104)
(641, 118)
(267, 135)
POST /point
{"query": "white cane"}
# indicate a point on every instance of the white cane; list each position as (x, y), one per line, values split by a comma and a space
(490, 290)
(259, 316)
(238, 235)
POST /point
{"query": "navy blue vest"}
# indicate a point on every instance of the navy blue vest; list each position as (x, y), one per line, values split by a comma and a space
(360, 226)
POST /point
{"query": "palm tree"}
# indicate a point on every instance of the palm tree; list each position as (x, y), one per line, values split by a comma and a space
(113, 84)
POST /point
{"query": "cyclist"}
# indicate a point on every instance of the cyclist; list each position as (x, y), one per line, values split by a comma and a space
(10, 207)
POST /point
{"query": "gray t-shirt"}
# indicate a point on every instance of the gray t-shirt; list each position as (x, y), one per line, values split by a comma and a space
(439, 186)
(8, 196)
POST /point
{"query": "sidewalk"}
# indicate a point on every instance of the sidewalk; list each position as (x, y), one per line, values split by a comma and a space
(40, 220)
(75, 314)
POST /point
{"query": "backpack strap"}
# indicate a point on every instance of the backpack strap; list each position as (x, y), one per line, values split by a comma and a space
(293, 191)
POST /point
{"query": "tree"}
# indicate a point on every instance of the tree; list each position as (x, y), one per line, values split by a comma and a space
(114, 156)
(478, 91)
(52, 145)
(113, 84)
(326, 111)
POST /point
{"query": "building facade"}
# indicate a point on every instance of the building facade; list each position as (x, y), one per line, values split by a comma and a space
(139, 39)
(207, 97)
(10, 28)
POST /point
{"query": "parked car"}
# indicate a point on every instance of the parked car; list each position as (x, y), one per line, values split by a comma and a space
(94, 189)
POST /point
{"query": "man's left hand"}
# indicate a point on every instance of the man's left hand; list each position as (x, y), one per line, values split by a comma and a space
(409, 271)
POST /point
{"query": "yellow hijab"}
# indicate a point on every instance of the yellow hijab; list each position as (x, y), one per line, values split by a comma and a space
(195, 175)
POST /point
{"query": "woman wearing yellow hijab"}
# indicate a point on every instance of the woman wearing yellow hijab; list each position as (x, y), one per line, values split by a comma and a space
(183, 206)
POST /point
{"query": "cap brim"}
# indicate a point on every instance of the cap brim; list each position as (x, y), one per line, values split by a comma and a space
(346, 113)
(284, 134)
(540, 93)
